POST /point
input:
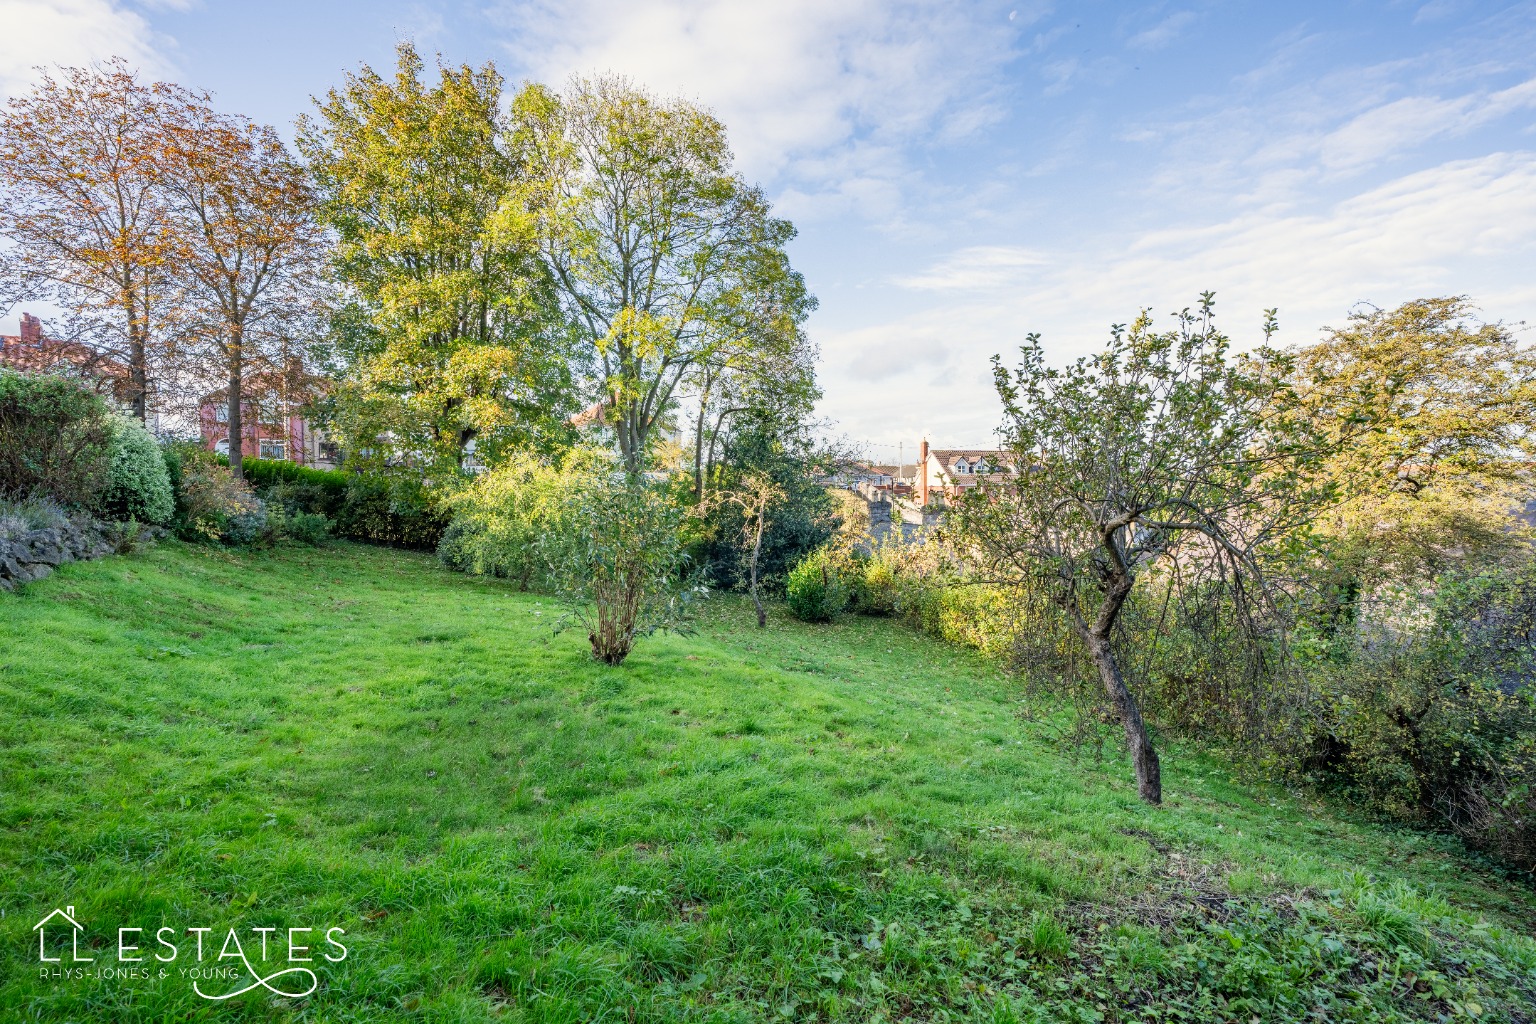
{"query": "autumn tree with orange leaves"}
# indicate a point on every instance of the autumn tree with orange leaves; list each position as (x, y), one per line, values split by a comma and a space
(246, 244)
(80, 205)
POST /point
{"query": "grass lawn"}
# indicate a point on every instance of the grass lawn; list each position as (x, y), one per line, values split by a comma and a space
(848, 822)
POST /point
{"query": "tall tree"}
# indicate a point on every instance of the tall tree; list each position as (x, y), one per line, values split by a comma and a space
(81, 156)
(456, 341)
(1162, 448)
(763, 361)
(658, 246)
(1431, 417)
(247, 245)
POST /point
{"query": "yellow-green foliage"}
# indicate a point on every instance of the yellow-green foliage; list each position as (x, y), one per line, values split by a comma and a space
(498, 520)
(818, 589)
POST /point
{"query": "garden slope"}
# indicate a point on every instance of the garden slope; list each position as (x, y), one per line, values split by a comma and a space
(846, 822)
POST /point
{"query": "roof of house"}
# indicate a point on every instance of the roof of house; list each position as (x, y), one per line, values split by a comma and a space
(595, 413)
(298, 384)
(902, 471)
(105, 371)
(997, 459)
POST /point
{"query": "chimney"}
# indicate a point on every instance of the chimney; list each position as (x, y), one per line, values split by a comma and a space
(922, 471)
(31, 330)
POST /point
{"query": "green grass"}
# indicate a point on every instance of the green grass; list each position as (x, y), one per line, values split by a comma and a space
(845, 823)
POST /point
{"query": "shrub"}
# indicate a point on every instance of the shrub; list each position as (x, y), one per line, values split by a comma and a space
(321, 491)
(818, 587)
(55, 438)
(498, 520)
(379, 510)
(210, 503)
(245, 523)
(137, 485)
(26, 515)
(876, 589)
(400, 513)
(1428, 711)
(615, 554)
(305, 527)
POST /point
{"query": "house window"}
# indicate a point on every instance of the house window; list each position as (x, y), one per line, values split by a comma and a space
(221, 414)
(222, 448)
(962, 467)
(980, 467)
(274, 449)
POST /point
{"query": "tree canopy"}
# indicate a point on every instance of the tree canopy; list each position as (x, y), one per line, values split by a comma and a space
(450, 331)
(1162, 448)
(670, 266)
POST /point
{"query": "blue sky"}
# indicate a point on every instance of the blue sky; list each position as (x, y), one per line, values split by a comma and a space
(964, 173)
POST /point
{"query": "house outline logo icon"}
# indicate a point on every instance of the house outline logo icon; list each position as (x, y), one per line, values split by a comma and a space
(68, 914)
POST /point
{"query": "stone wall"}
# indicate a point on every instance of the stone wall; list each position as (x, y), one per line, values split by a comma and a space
(31, 556)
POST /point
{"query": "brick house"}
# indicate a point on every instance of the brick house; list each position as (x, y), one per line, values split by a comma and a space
(32, 351)
(943, 474)
(273, 423)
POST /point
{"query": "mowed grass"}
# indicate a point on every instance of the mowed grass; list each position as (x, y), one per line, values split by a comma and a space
(841, 823)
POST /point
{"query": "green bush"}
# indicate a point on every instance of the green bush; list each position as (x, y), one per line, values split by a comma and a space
(138, 485)
(399, 513)
(55, 438)
(876, 589)
(305, 527)
(210, 503)
(325, 490)
(615, 555)
(817, 588)
(498, 520)
(1427, 711)
(379, 510)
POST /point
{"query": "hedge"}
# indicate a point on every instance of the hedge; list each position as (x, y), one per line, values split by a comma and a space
(376, 509)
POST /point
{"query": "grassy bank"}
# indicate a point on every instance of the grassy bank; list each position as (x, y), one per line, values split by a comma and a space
(847, 822)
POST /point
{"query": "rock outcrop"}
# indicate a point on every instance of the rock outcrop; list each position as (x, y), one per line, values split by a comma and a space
(31, 556)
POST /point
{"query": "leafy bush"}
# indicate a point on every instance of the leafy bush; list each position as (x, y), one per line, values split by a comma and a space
(324, 489)
(137, 486)
(210, 503)
(498, 520)
(55, 438)
(876, 589)
(818, 588)
(305, 527)
(398, 512)
(1427, 711)
(26, 515)
(616, 555)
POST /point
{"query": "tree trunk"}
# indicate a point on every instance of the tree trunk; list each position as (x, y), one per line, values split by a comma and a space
(757, 546)
(138, 359)
(698, 446)
(1149, 780)
(236, 396)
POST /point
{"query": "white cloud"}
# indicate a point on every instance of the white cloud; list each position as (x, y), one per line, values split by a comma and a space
(823, 97)
(1163, 33)
(70, 33)
(980, 267)
(1462, 227)
(1387, 130)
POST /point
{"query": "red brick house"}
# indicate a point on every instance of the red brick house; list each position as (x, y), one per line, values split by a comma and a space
(32, 351)
(272, 420)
